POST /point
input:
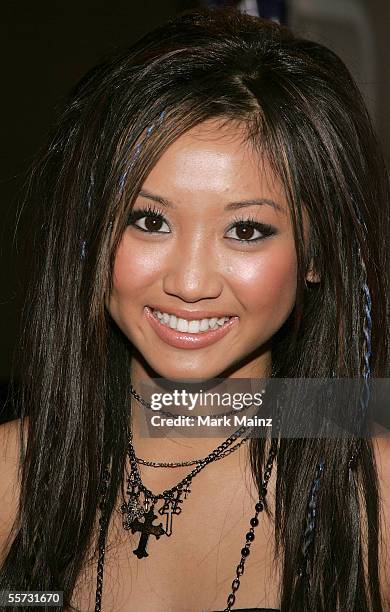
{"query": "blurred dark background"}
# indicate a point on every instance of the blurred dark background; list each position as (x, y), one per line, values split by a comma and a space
(47, 47)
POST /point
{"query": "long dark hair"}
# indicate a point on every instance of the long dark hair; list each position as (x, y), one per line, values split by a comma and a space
(301, 108)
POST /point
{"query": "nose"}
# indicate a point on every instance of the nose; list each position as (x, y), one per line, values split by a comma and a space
(192, 272)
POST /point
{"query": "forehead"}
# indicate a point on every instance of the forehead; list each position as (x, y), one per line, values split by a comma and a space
(215, 158)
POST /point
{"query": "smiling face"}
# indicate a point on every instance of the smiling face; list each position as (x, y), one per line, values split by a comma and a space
(193, 260)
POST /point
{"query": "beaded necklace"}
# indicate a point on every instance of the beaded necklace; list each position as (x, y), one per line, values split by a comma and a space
(172, 500)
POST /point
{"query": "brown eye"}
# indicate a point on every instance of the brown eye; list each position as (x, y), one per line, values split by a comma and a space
(245, 232)
(152, 224)
(245, 229)
(148, 220)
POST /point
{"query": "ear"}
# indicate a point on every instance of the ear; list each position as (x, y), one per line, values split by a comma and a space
(311, 275)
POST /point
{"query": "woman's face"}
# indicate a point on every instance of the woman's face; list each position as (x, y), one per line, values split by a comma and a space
(211, 189)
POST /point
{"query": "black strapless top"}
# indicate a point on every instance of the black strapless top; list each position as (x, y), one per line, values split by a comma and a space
(255, 610)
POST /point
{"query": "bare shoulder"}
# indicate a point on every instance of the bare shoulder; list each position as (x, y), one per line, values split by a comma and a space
(381, 439)
(382, 455)
(381, 442)
(9, 478)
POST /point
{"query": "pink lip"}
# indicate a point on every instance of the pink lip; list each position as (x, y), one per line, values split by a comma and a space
(186, 339)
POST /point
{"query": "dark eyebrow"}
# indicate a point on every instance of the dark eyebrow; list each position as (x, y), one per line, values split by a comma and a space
(156, 198)
(231, 206)
(254, 202)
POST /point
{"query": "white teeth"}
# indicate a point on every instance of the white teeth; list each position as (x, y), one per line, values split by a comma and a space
(182, 325)
(172, 321)
(204, 324)
(194, 326)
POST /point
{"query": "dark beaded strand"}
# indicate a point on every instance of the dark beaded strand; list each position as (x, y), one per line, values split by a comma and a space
(254, 521)
(102, 538)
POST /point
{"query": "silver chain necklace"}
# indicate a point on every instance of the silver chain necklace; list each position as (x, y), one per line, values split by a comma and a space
(171, 464)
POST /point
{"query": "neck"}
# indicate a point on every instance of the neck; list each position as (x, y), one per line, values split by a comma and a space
(154, 443)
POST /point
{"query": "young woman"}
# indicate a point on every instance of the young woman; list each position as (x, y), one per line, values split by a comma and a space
(212, 204)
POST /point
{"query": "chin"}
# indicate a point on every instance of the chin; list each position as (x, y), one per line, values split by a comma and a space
(186, 373)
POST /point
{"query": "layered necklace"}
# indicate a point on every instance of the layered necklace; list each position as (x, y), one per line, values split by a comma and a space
(140, 511)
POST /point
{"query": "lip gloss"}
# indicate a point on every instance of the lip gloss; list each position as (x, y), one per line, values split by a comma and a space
(187, 340)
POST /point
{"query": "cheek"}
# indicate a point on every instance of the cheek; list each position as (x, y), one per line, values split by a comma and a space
(266, 282)
(134, 270)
